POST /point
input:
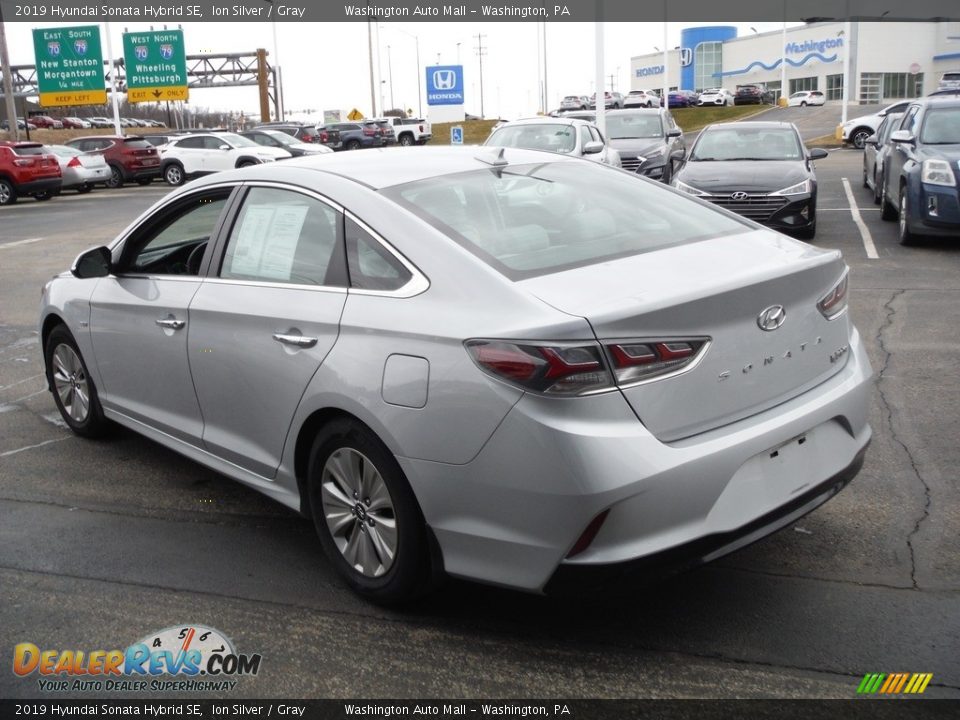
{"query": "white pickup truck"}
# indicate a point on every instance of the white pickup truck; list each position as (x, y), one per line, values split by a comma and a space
(410, 131)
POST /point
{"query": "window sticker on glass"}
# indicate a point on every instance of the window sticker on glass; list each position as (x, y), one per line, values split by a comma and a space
(267, 241)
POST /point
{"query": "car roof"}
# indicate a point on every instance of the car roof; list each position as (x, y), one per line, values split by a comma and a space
(379, 168)
(769, 124)
(939, 101)
(548, 120)
(636, 111)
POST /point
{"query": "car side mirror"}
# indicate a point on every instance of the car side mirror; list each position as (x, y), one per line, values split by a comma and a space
(901, 136)
(872, 140)
(818, 154)
(677, 132)
(224, 147)
(593, 147)
(92, 263)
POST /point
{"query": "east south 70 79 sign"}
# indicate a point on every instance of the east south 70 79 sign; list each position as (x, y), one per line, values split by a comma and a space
(69, 66)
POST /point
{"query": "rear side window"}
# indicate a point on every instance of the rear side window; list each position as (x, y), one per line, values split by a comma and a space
(371, 265)
(529, 220)
(282, 236)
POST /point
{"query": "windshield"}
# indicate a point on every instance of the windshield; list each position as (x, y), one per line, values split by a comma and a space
(553, 138)
(634, 126)
(236, 140)
(529, 220)
(941, 127)
(711, 91)
(281, 137)
(747, 143)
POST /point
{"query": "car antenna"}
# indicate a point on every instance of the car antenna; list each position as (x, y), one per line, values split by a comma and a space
(494, 156)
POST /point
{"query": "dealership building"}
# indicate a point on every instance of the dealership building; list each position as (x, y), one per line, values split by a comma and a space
(888, 60)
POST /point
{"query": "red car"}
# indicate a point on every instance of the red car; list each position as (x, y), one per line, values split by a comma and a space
(46, 122)
(26, 169)
(130, 158)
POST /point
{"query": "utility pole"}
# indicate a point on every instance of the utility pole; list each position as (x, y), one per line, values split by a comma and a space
(8, 84)
(373, 90)
(546, 101)
(611, 76)
(390, 74)
(481, 51)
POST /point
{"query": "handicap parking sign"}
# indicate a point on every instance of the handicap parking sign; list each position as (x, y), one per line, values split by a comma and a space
(456, 135)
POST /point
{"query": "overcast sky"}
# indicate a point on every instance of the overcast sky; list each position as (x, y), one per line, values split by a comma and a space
(325, 64)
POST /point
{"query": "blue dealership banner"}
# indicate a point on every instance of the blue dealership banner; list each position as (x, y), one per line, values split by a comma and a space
(445, 85)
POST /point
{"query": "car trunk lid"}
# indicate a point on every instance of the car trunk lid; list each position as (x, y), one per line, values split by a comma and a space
(715, 289)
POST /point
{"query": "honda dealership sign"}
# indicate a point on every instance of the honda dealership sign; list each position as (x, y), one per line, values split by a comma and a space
(445, 85)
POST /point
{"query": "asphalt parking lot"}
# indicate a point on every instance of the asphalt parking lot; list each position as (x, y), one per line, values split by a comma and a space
(105, 542)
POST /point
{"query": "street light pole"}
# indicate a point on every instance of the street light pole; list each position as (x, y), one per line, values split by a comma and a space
(390, 75)
(8, 84)
(373, 92)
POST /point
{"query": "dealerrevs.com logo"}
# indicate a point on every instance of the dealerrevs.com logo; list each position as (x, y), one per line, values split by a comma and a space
(184, 658)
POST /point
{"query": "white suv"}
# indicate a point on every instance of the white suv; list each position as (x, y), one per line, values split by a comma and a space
(857, 130)
(205, 153)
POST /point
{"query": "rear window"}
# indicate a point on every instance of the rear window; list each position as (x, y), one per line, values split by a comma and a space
(530, 220)
(30, 150)
(634, 126)
(550, 137)
(136, 143)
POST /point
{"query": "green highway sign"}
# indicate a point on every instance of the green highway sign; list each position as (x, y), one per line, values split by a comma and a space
(156, 66)
(69, 66)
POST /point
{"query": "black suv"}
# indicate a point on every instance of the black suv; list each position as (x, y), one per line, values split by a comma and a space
(301, 131)
(753, 95)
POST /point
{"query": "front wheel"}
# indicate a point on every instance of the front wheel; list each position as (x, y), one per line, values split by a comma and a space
(803, 104)
(406, 140)
(364, 511)
(173, 174)
(887, 210)
(859, 138)
(83, 189)
(904, 234)
(43, 196)
(73, 388)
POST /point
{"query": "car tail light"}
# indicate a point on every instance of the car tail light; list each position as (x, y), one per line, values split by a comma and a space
(564, 370)
(74, 162)
(23, 162)
(638, 360)
(834, 302)
(324, 137)
(369, 131)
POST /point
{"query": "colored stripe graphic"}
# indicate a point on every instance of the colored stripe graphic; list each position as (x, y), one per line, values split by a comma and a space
(894, 683)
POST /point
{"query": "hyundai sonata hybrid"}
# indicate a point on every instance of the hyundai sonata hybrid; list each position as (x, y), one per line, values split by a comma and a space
(497, 364)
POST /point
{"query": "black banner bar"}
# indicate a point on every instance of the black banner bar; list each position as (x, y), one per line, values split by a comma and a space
(178, 11)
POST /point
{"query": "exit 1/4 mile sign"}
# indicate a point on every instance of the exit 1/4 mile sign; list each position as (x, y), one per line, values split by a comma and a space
(69, 66)
(156, 66)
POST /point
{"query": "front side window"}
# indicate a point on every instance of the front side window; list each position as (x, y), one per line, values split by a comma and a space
(173, 241)
(282, 236)
(529, 220)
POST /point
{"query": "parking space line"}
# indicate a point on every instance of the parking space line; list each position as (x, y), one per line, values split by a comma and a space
(8, 453)
(20, 242)
(858, 221)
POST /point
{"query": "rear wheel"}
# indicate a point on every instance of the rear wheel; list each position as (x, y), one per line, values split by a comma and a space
(73, 388)
(144, 181)
(406, 139)
(116, 177)
(887, 210)
(876, 188)
(84, 189)
(353, 145)
(803, 103)
(43, 196)
(8, 195)
(368, 520)
(173, 174)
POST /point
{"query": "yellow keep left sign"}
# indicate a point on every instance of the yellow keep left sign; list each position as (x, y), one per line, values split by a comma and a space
(64, 98)
(157, 94)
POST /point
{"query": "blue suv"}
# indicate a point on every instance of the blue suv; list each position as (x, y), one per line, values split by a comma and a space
(920, 175)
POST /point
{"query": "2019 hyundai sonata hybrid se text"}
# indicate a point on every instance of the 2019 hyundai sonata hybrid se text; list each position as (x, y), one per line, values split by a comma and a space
(503, 365)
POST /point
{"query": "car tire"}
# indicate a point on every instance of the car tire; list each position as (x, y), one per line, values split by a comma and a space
(246, 163)
(377, 542)
(808, 233)
(406, 139)
(8, 194)
(859, 136)
(887, 210)
(173, 174)
(116, 178)
(864, 179)
(43, 196)
(353, 145)
(144, 181)
(73, 390)
(876, 189)
(903, 230)
(84, 189)
(803, 104)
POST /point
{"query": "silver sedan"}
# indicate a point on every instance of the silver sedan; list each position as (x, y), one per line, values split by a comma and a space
(80, 171)
(502, 365)
(565, 135)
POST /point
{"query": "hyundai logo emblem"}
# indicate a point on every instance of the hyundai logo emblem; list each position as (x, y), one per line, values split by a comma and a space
(739, 195)
(771, 318)
(444, 79)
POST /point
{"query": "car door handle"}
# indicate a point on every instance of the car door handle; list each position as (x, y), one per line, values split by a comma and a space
(298, 340)
(172, 323)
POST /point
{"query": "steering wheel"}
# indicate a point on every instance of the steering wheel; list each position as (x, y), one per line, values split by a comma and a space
(195, 258)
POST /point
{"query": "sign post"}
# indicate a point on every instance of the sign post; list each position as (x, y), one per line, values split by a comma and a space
(156, 65)
(69, 66)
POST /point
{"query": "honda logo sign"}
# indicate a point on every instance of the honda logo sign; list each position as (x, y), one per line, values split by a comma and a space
(445, 85)
(686, 56)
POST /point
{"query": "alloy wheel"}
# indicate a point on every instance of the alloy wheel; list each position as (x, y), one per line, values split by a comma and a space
(70, 382)
(359, 512)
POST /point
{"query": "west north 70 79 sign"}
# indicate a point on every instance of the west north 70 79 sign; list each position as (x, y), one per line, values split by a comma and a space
(69, 66)
(156, 65)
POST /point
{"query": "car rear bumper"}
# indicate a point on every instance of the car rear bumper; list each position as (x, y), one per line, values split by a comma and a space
(41, 185)
(77, 177)
(139, 173)
(512, 514)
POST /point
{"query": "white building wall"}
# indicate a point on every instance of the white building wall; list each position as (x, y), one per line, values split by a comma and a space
(645, 76)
